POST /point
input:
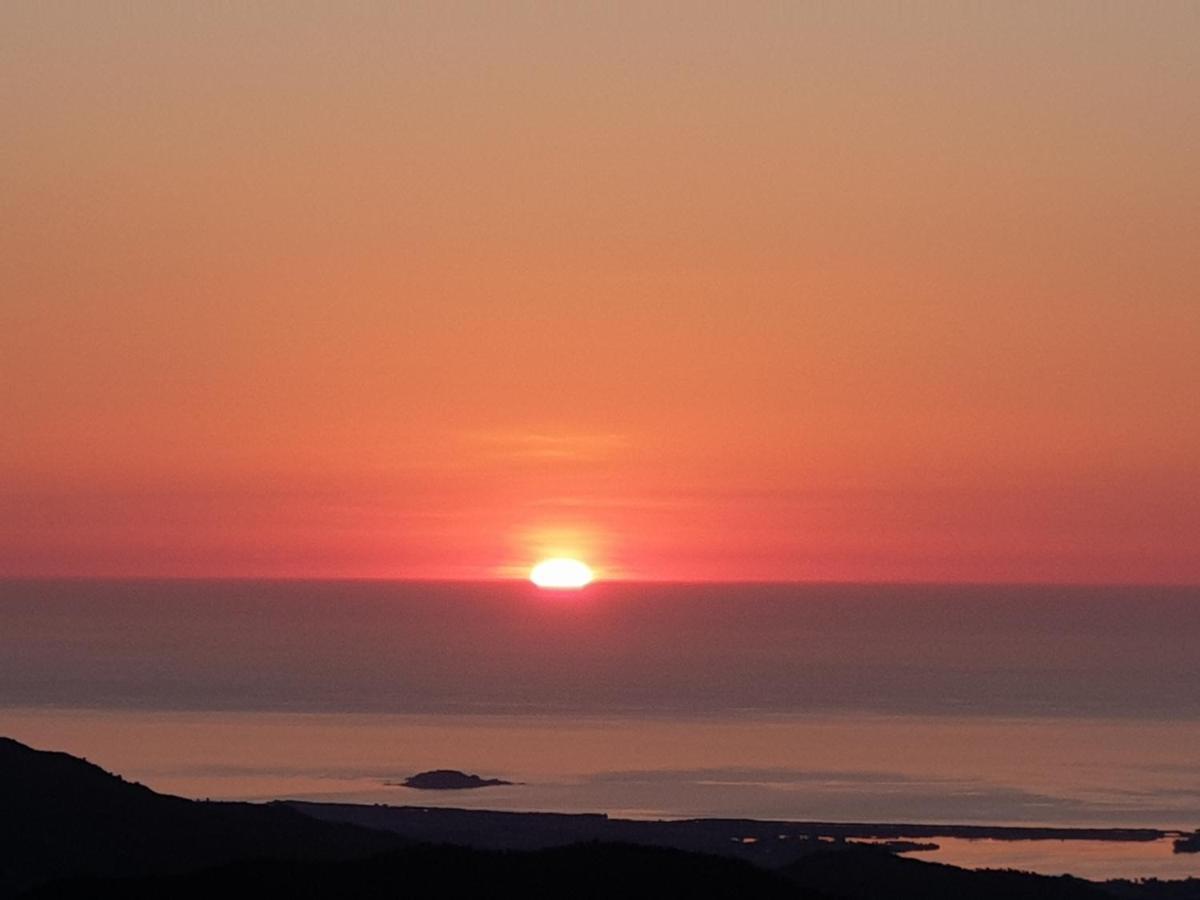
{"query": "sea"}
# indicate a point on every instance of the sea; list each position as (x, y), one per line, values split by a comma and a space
(932, 704)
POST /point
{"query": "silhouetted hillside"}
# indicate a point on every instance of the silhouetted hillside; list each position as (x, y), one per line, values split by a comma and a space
(1155, 889)
(60, 815)
(875, 874)
(596, 871)
(580, 872)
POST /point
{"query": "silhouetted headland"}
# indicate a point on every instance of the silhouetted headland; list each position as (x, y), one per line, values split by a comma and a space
(755, 839)
(61, 815)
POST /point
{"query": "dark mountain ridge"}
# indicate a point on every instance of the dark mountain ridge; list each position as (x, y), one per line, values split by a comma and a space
(63, 816)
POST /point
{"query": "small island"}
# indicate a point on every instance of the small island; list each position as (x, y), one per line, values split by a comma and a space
(447, 780)
(1188, 843)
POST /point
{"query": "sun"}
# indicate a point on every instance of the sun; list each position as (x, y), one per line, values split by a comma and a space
(561, 573)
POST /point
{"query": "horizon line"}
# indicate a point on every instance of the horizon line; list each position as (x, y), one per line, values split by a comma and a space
(599, 582)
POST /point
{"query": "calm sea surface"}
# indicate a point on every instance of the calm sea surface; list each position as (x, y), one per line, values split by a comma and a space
(1007, 705)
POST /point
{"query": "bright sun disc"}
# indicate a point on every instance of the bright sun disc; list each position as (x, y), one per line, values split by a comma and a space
(561, 574)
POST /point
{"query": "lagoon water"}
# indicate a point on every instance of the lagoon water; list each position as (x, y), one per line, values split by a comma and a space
(955, 704)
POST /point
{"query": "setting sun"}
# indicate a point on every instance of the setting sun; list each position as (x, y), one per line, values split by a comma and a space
(561, 573)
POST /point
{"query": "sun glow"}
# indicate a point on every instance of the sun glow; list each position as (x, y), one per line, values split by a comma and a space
(561, 573)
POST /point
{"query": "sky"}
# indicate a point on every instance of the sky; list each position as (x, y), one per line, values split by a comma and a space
(706, 291)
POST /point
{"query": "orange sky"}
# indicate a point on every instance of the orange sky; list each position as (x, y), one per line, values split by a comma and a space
(713, 291)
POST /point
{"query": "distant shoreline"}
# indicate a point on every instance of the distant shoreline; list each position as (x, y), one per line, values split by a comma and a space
(736, 828)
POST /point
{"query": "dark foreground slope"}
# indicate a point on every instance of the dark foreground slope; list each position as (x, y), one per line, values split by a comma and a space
(580, 872)
(587, 872)
(69, 831)
(62, 816)
(867, 874)
(596, 871)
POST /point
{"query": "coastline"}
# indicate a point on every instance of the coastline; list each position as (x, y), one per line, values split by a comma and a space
(614, 827)
(1097, 853)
